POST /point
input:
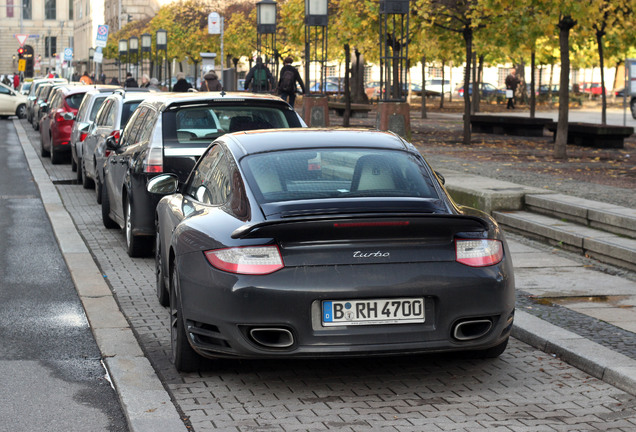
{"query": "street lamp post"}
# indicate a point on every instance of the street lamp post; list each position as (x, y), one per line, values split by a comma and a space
(315, 106)
(123, 51)
(393, 111)
(146, 45)
(162, 45)
(266, 33)
(133, 48)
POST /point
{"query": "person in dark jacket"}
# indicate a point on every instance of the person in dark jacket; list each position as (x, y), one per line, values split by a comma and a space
(130, 81)
(259, 79)
(210, 82)
(181, 85)
(114, 81)
(289, 76)
(511, 84)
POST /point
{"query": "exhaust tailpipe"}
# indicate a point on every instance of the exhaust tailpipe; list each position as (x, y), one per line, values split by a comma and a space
(471, 329)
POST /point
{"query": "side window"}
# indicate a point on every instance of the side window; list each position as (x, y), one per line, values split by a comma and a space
(4, 90)
(102, 114)
(207, 176)
(133, 127)
(148, 123)
(111, 115)
(54, 101)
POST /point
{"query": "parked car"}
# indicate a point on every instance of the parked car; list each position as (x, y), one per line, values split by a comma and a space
(12, 102)
(435, 87)
(112, 117)
(56, 125)
(595, 89)
(372, 89)
(36, 83)
(24, 88)
(307, 243)
(41, 99)
(168, 133)
(488, 91)
(85, 117)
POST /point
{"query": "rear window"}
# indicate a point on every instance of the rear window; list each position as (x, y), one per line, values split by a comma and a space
(127, 110)
(336, 173)
(75, 100)
(203, 123)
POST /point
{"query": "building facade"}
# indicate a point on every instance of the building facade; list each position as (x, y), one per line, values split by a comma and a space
(49, 26)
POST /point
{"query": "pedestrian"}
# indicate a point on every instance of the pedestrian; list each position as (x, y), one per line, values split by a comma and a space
(102, 78)
(182, 85)
(130, 81)
(75, 77)
(210, 82)
(259, 79)
(145, 81)
(85, 79)
(16, 81)
(113, 81)
(511, 86)
(153, 84)
(289, 76)
(52, 74)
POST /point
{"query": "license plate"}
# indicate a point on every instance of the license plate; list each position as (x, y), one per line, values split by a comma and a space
(373, 311)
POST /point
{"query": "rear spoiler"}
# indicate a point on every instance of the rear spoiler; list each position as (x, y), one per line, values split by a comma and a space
(362, 225)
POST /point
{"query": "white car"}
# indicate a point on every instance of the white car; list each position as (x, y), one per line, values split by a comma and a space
(12, 102)
(435, 85)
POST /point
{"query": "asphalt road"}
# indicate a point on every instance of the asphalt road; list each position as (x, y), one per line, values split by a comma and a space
(51, 374)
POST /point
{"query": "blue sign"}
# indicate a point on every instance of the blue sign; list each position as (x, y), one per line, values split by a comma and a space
(68, 54)
(102, 36)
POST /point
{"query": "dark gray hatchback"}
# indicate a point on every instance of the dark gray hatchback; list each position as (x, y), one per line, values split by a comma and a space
(167, 133)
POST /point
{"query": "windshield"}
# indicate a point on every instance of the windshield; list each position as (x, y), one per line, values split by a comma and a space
(336, 173)
(204, 123)
(75, 100)
(96, 105)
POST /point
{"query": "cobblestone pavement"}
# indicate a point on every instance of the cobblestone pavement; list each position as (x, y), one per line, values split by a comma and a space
(523, 390)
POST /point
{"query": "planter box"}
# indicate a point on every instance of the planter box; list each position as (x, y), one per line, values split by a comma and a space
(509, 125)
(595, 135)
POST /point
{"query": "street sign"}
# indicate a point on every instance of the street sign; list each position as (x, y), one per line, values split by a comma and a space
(102, 36)
(21, 38)
(214, 23)
(68, 54)
(98, 56)
(21, 65)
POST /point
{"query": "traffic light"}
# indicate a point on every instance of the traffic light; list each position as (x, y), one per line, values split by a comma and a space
(21, 52)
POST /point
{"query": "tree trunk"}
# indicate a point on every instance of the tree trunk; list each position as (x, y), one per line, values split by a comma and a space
(441, 99)
(468, 40)
(561, 142)
(347, 91)
(599, 43)
(358, 95)
(424, 114)
(476, 87)
(533, 99)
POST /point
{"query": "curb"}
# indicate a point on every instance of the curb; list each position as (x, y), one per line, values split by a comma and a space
(144, 400)
(609, 366)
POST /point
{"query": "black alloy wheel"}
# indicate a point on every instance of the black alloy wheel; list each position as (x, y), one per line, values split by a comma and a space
(106, 220)
(184, 357)
(136, 246)
(162, 293)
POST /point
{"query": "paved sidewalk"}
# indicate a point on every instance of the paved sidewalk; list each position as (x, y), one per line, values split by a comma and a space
(601, 349)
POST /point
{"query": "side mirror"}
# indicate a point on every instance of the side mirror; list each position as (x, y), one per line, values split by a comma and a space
(440, 177)
(44, 107)
(164, 184)
(68, 116)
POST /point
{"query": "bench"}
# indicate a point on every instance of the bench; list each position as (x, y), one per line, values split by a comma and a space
(594, 135)
(509, 125)
(357, 110)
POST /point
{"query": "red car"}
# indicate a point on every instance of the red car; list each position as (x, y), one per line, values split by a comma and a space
(57, 124)
(594, 88)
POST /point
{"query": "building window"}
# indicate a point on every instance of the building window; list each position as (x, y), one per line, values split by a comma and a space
(332, 71)
(50, 9)
(50, 46)
(70, 9)
(9, 8)
(434, 72)
(26, 9)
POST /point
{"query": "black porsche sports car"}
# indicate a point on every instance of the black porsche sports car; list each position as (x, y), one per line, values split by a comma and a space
(311, 243)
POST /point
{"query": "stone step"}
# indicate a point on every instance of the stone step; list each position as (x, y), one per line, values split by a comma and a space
(606, 217)
(603, 246)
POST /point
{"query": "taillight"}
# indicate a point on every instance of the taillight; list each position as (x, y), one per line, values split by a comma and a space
(153, 162)
(253, 260)
(59, 116)
(478, 253)
(83, 136)
(115, 134)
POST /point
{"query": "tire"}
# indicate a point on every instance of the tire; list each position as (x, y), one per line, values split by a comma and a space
(98, 189)
(162, 292)
(489, 353)
(633, 107)
(106, 220)
(43, 151)
(21, 111)
(136, 246)
(184, 358)
(73, 164)
(87, 183)
(56, 157)
(78, 173)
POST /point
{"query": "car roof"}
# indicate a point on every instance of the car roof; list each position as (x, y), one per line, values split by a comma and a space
(72, 89)
(251, 142)
(128, 95)
(162, 100)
